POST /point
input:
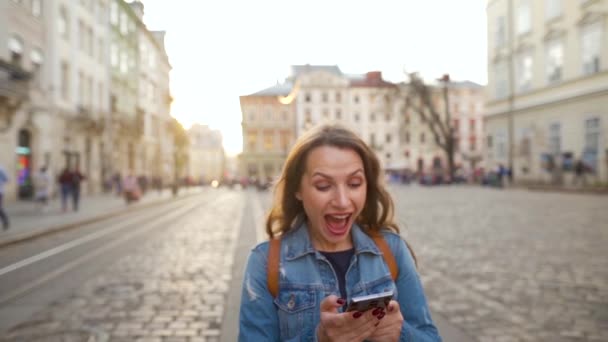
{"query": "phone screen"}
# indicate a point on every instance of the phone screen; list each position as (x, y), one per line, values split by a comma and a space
(364, 303)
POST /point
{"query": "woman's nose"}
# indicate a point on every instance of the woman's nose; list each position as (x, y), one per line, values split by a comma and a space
(340, 197)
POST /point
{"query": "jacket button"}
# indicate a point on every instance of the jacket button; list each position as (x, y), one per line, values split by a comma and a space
(292, 302)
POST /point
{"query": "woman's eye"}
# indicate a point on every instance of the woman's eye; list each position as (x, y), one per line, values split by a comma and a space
(322, 187)
(355, 185)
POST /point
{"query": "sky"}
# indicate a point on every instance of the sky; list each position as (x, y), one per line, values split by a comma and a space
(220, 50)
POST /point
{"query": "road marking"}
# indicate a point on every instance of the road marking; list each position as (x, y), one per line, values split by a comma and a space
(67, 246)
(171, 218)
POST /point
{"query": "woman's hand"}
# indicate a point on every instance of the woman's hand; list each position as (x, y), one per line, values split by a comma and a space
(390, 323)
(345, 326)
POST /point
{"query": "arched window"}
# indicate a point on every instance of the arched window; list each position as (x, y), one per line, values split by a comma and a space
(63, 23)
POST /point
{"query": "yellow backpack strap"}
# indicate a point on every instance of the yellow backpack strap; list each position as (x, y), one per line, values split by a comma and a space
(274, 257)
(387, 254)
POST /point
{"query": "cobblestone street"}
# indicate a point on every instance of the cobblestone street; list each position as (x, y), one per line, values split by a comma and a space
(511, 265)
(171, 288)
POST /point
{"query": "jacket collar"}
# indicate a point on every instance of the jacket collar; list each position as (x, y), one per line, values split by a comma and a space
(297, 243)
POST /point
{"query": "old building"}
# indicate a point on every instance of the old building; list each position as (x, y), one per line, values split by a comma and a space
(154, 101)
(547, 104)
(207, 159)
(24, 117)
(269, 130)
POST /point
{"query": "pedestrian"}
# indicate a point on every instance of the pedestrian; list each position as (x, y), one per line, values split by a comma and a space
(3, 180)
(331, 228)
(579, 173)
(66, 185)
(42, 184)
(131, 188)
(77, 179)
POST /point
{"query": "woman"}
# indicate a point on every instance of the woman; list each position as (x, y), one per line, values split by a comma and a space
(329, 201)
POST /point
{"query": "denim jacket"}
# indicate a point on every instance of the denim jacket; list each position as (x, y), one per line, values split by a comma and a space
(306, 277)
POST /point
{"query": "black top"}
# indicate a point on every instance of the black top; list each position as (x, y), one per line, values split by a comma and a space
(340, 262)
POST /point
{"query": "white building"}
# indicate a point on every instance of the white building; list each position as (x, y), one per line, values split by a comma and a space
(154, 99)
(547, 102)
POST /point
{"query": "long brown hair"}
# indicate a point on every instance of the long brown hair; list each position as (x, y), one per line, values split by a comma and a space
(377, 212)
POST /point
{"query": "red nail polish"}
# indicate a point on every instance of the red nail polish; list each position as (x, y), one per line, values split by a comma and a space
(341, 301)
(376, 324)
(391, 308)
(357, 314)
(381, 315)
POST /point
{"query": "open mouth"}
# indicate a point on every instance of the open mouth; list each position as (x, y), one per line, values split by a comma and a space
(337, 224)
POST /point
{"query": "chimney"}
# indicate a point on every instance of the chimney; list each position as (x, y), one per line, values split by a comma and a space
(138, 8)
(374, 76)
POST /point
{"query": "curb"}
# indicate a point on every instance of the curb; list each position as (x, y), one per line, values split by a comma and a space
(61, 227)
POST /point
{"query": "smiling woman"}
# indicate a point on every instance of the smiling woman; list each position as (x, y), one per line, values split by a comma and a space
(333, 239)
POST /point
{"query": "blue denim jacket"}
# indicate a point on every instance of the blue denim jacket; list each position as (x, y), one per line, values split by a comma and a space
(307, 277)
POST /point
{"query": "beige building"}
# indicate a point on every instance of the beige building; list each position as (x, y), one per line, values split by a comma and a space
(269, 131)
(547, 96)
(206, 158)
(154, 100)
(23, 114)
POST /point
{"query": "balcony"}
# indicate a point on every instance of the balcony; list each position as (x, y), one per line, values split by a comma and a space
(14, 90)
(87, 121)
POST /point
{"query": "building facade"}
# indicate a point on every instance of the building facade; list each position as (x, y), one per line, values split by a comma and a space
(207, 160)
(269, 131)
(547, 96)
(24, 118)
(154, 101)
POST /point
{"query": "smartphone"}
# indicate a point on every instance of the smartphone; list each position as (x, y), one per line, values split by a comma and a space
(364, 303)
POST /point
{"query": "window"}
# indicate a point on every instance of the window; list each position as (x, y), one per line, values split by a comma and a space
(501, 145)
(372, 117)
(553, 9)
(114, 55)
(357, 117)
(524, 71)
(62, 24)
(338, 97)
(324, 97)
(592, 142)
(101, 51)
(372, 139)
(252, 140)
(308, 116)
(524, 17)
(307, 97)
(472, 143)
(36, 8)
(555, 138)
(251, 116)
(81, 36)
(356, 99)
(501, 32)
(285, 139)
(472, 125)
(114, 12)
(591, 41)
(554, 61)
(456, 126)
(388, 138)
(501, 80)
(15, 46)
(123, 23)
(338, 114)
(101, 9)
(325, 113)
(489, 141)
(123, 62)
(387, 117)
(100, 104)
(268, 140)
(407, 137)
(422, 138)
(65, 80)
(81, 91)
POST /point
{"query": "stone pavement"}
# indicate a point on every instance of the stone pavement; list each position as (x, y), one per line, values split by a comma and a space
(28, 220)
(172, 287)
(511, 265)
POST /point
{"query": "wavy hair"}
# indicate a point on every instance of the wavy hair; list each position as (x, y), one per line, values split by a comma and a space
(287, 211)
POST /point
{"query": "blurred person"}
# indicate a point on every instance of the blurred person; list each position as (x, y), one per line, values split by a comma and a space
(3, 180)
(42, 184)
(579, 173)
(130, 188)
(77, 178)
(65, 185)
(331, 219)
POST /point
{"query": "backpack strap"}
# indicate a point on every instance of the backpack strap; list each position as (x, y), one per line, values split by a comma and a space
(387, 254)
(274, 258)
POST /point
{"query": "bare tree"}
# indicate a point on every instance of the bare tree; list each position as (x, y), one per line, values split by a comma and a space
(419, 98)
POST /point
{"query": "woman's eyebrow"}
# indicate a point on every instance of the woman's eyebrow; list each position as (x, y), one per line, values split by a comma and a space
(319, 173)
